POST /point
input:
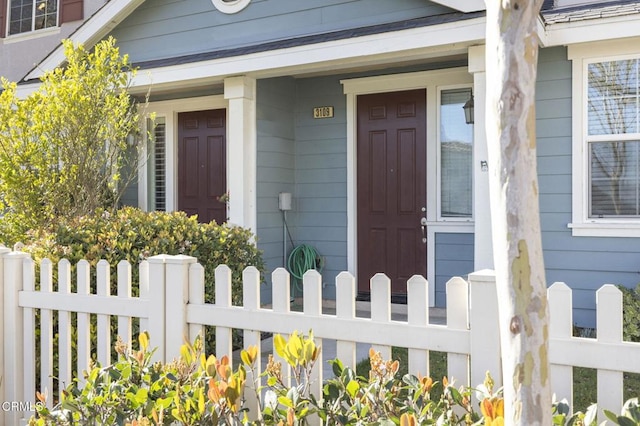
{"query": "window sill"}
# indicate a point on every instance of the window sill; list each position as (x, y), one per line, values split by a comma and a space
(618, 229)
(31, 35)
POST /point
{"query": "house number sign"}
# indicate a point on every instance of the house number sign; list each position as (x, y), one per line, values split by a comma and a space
(323, 112)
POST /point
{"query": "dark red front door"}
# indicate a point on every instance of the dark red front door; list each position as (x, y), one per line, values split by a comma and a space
(202, 164)
(391, 179)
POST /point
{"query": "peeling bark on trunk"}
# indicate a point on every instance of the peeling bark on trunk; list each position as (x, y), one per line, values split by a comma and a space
(512, 54)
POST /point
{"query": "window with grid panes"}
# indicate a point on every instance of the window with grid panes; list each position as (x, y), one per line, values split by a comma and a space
(32, 15)
(613, 138)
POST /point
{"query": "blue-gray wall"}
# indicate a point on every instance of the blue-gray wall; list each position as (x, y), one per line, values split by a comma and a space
(321, 174)
(584, 263)
(168, 28)
(453, 258)
(275, 165)
(307, 158)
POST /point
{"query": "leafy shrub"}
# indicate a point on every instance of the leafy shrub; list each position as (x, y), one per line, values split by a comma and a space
(631, 313)
(133, 235)
(198, 390)
(134, 388)
(384, 398)
(64, 147)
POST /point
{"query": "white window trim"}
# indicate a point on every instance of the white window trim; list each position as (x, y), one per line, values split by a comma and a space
(581, 224)
(30, 35)
(169, 110)
(230, 7)
(431, 81)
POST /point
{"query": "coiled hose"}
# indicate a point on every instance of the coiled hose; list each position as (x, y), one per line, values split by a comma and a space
(301, 259)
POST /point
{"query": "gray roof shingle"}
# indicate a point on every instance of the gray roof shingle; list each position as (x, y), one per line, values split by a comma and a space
(552, 15)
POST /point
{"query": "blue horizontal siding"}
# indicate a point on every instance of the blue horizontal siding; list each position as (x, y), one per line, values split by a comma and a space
(275, 164)
(321, 174)
(167, 28)
(453, 257)
(583, 263)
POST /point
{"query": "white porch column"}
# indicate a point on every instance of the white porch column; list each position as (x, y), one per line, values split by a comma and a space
(483, 246)
(240, 91)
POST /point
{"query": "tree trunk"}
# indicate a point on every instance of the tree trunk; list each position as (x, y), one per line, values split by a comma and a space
(512, 55)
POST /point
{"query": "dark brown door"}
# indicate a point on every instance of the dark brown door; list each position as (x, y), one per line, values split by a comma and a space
(202, 174)
(391, 179)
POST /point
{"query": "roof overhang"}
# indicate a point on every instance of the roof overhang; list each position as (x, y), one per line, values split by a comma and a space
(463, 5)
(89, 33)
(584, 31)
(388, 48)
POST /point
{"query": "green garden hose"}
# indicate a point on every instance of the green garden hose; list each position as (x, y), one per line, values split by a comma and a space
(301, 259)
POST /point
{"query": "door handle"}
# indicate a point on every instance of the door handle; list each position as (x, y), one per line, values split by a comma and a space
(423, 225)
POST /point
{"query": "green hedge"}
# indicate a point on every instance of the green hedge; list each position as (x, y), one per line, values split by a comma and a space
(134, 235)
(631, 313)
(198, 390)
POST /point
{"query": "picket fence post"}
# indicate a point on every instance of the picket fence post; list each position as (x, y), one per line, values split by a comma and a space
(46, 332)
(224, 297)
(312, 306)
(281, 302)
(251, 302)
(485, 328)
(64, 329)
(609, 330)
(176, 299)
(83, 279)
(561, 327)
(157, 317)
(3, 251)
(103, 288)
(124, 291)
(13, 339)
(458, 319)
(29, 348)
(196, 296)
(346, 309)
(381, 307)
(418, 314)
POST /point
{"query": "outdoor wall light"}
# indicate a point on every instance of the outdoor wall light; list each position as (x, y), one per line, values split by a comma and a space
(468, 111)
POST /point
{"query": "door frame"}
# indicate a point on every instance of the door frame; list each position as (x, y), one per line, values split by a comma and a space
(169, 111)
(432, 81)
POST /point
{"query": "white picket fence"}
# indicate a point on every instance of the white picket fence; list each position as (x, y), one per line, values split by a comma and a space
(171, 307)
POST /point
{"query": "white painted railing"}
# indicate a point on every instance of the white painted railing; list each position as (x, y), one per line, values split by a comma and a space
(171, 307)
